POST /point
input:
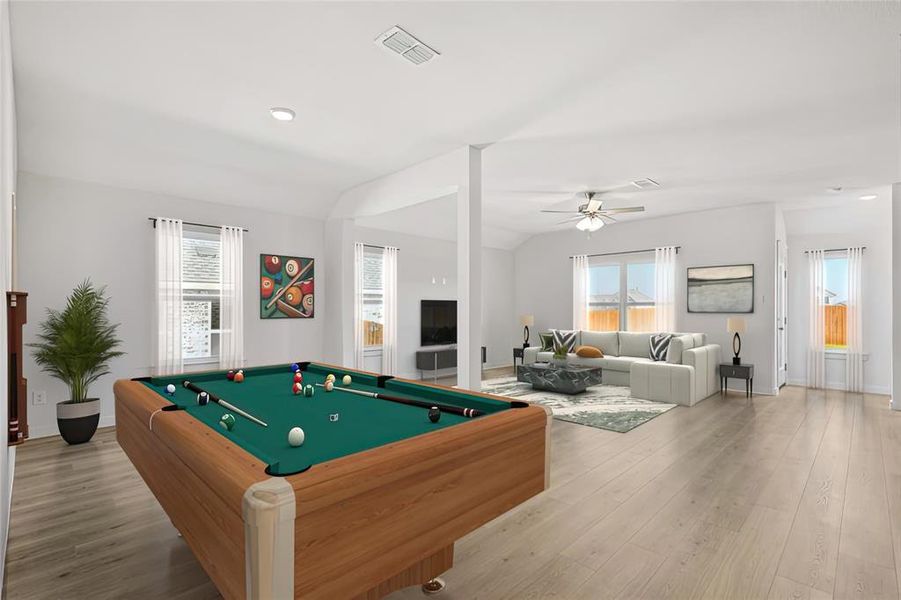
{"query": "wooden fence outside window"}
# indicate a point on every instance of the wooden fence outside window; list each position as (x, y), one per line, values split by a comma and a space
(836, 326)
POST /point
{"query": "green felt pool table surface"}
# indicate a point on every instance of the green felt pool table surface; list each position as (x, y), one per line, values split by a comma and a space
(363, 422)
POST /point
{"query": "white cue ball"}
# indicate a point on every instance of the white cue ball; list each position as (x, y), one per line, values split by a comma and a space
(170, 389)
(296, 436)
(330, 377)
(329, 385)
(346, 380)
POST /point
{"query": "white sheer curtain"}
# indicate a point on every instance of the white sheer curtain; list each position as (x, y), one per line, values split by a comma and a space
(816, 313)
(167, 320)
(389, 328)
(854, 362)
(231, 305)
(580, 292)
(358, 306)
(665, 289)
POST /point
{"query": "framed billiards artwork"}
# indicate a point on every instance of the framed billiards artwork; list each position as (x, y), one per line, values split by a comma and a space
(286, 287)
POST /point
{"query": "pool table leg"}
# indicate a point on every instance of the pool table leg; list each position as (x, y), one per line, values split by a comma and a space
(269, 510)
(433, 586)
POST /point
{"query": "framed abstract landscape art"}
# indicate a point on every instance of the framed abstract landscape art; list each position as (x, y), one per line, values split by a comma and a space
(725, 289)
(286, 287)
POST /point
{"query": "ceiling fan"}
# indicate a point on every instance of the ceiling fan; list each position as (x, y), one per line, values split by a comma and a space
(591, 215)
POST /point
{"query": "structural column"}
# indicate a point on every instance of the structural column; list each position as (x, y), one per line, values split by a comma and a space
(469, 269)
(339, 292)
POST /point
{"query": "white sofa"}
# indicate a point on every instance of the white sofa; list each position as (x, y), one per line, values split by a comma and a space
(687, 376)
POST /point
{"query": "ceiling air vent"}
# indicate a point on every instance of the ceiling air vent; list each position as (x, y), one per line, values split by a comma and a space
(399, 42)
(645, 183)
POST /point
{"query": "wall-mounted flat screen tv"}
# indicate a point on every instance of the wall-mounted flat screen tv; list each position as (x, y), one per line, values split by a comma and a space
(438, 322)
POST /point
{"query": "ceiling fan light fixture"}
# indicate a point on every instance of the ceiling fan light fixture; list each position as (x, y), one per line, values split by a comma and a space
(590, 224)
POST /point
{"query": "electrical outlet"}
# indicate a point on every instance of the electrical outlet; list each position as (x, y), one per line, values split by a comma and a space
(38, 398)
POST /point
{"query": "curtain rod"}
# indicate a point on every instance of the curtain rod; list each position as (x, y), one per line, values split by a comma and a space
(835, 249)
(626, 252)
(376, 246)
(194, 224)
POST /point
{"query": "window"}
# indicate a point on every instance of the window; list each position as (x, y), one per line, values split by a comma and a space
(640, 297)
(621, 296)
(201, 289)
(835, 282)
(603, 298)
(373, 297)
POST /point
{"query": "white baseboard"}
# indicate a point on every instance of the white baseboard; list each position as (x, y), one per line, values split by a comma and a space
(51, 430)
(880, 390)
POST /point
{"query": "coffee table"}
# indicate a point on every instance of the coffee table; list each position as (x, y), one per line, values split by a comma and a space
(561, 379)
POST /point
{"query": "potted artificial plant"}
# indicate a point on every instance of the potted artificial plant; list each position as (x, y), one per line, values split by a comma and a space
(560, 352)
(75, 346)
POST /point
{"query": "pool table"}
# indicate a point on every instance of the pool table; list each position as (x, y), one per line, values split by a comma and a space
(371, 502)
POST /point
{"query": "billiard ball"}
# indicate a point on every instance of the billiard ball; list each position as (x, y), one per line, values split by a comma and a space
(203, 399)
(306, 286)
(273, 264)
(296, 436)
(330, 377)
(329, 385)
(295, 367)
(227, 421)
(170, 389)
(298, 377)
(277, 278)
(230, 375)
(309, 390)
(293, 296)
(297, 388)
(267, 286)
(333, 417)
(307, 304)
(346, 380)
(434, 414)
(239, 377)
(292, 267)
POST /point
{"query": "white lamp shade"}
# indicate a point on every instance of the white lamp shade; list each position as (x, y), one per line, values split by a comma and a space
(527, 320)
(736, 325)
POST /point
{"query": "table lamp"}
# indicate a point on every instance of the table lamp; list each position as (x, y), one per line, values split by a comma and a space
(526, 321)
(736, 325)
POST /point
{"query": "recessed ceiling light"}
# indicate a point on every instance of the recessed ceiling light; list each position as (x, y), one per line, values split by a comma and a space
(868, 197)
(281, 114)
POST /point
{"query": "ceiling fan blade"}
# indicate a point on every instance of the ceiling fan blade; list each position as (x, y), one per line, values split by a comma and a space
(570, 220)
(607, 218)
(594, 203)
(628, 209)
(561, 211)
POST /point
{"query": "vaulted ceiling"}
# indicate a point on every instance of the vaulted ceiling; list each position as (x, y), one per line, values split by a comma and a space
(722, 103)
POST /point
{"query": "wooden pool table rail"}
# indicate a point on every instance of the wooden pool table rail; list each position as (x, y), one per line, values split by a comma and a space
(364, 525)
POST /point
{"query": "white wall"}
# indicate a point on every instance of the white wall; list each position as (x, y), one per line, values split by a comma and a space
(867, 223)
(717, 237)
(7, 257)
(420, 259)
(71, 230)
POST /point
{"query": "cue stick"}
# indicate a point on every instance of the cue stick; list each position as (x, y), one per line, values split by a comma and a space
(448, 408)
(293, 281)
(223, 403)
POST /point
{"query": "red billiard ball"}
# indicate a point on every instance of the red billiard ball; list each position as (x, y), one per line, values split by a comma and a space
(298, 378)
(306, 287)
(273, 264)
(267, 286)
(297, 388)
(230, 375)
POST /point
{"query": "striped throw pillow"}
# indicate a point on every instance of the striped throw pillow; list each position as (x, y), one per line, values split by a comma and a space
(565, 339)
(660, 346)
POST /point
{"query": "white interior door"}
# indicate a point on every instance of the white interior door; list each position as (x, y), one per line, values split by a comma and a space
(781, 310)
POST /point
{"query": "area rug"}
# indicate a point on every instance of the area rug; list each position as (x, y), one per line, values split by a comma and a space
(603, 406)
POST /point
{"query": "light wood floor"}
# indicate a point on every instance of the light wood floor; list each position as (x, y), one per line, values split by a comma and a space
(797, 496)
